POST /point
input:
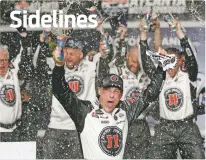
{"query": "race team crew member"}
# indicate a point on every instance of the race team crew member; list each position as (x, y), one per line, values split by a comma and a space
(135, 81)
(103, 131)
(80, 76)
(10, 97)
(177, 102)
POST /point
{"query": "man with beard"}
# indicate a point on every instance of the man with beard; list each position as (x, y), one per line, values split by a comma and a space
(61, 140)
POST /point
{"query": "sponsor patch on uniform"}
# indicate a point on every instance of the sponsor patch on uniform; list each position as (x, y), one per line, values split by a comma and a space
(173, 99)
(94, 114)
(121, 115)
(132, 94)
(76, 84)
(115, 117)
(99, 112)
(189, 53)
(90, 58)
(110, 140)
(105, 122)
(120, 122)
(8, 95)
(104, 117)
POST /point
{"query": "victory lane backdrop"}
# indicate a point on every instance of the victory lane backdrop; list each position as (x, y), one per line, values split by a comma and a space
(190, 12)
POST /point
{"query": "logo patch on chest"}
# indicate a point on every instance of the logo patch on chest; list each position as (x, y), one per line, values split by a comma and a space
(110, 140)
(76, 84)
(132, 94)
(173, 99)
(8, 95)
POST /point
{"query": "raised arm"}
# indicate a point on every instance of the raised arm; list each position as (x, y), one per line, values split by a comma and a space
(41, 64)
(26, 68)
(147, 64)
(157, 36)
(103, 64)
(77, 109)
(148, 96)
(189, 52)
(122, 49)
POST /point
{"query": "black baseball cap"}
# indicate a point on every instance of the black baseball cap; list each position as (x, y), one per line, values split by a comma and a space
(73, 43)
(112, 80)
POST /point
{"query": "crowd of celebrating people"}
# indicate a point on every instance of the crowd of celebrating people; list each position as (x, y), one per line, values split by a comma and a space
(96, 102)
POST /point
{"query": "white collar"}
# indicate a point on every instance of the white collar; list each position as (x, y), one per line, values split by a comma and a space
(113, 112)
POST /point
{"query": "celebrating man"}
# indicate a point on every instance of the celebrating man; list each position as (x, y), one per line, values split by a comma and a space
(103, 131)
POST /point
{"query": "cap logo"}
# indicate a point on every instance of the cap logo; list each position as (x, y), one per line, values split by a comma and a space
(114, 78)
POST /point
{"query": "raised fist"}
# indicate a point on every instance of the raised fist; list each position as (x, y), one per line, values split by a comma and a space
(58, 56)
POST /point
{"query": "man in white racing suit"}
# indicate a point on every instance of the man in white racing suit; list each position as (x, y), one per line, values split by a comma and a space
(103, 130)
(10, 97)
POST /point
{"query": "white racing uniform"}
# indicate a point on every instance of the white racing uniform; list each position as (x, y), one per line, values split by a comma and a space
(103, 135)
(175, 98)
(61, 133)
(133, 84)
(82, 82)
(178, 106)
(10, 101)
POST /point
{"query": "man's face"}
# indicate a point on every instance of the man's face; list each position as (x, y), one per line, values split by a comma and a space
(132, 60)
(72, 57)
(109, 98)
(173, 71)
(3, 62)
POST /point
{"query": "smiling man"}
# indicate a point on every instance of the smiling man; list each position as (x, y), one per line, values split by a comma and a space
(73, 57)
(80, 76)
(10, 98)
(4, 58)
(103, 131)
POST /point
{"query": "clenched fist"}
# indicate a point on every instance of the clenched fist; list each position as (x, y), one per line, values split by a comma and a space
(58, 56)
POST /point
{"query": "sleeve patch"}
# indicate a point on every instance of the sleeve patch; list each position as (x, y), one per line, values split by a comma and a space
(189, 53)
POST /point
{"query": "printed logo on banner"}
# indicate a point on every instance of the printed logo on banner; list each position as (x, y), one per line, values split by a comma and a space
(111, 7)
(8, 95)
(76, 84)
(132, 94)
(110, 140)
(173, 99)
